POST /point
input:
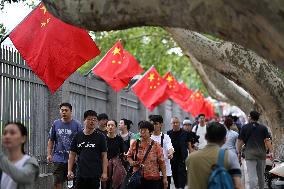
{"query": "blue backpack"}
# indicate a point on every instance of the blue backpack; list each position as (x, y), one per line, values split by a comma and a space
(219, 177)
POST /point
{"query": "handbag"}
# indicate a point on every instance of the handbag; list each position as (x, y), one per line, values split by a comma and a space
(134, 181)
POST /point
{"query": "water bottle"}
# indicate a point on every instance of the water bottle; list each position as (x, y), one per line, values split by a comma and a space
(69, 183)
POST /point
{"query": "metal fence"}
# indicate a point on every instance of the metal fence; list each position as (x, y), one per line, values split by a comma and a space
(25, 98)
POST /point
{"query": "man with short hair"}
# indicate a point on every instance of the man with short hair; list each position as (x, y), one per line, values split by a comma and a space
(61, 135)
(181, 143)
(200, 130)
(102, 118)
(255, 136)
(90, 147)
(199, 163)
(165, 142)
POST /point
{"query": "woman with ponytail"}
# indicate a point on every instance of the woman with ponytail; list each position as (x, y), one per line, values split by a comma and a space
(17, 170)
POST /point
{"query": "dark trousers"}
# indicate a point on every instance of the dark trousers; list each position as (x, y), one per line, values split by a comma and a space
(108, 185)
(150, 184)
(88, 183)
(169, 182)
(179, 173)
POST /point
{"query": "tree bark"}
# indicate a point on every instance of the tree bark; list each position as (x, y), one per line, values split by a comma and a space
(221, 88)
(211, 88)
(255, 24)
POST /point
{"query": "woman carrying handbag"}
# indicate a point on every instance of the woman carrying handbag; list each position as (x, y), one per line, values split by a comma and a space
(147, 160)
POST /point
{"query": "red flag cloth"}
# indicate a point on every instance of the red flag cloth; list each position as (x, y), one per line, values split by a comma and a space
(151, 89)
(52, 48)
(208, 109)
(175, 90)
(195, 103)
(117, 67)
(186, 92)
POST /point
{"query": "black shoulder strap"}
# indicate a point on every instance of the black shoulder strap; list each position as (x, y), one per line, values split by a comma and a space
(146, 154)
(136, 150)
(196, 128)
(162, 140)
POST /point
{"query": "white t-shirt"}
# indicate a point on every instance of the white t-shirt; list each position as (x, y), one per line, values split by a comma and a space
(201, 131)
(6, 181)
(167, 145)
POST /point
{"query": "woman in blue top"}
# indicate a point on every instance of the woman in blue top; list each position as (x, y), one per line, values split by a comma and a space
(231, 136)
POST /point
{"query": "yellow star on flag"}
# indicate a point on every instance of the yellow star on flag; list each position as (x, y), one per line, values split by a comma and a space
(43, 24)
(169, 79)
(116, 51)
(151, 77)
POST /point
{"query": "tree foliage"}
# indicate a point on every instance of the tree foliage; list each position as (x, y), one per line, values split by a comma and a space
(150, 46)
(2, 31)
(30, 3)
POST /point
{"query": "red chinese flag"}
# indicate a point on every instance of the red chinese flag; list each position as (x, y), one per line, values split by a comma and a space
(117, 67)
(175, 90)
(52, 48)
(195, 103)
(208, 109)
(151, 89)
(186, 92)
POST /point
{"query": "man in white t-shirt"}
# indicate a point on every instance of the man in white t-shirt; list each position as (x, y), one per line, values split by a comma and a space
(200, 131)
(166, 144)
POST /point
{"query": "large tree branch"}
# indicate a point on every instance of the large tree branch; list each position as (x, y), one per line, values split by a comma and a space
(255, 24)
(244, 67)
(221, 88)
(211, 88)
(237, 95)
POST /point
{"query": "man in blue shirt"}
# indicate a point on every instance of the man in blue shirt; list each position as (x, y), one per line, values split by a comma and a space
(61, 135)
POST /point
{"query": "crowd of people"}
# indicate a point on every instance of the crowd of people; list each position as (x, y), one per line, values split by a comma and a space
(103, 153)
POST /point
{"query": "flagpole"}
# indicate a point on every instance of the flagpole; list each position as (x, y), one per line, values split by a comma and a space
(86, 74)
(7, 35)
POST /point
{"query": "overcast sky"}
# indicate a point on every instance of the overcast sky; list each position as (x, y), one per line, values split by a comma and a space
(12, 15)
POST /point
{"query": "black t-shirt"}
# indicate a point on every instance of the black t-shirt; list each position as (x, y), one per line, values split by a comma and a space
(115, 146)
(253, 135)
(180, 141)
(103, 132)
(89, 149)
(193, 138)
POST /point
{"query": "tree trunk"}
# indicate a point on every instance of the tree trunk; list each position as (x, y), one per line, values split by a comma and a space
(211, 88)
(255, 24)
(226, 90)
